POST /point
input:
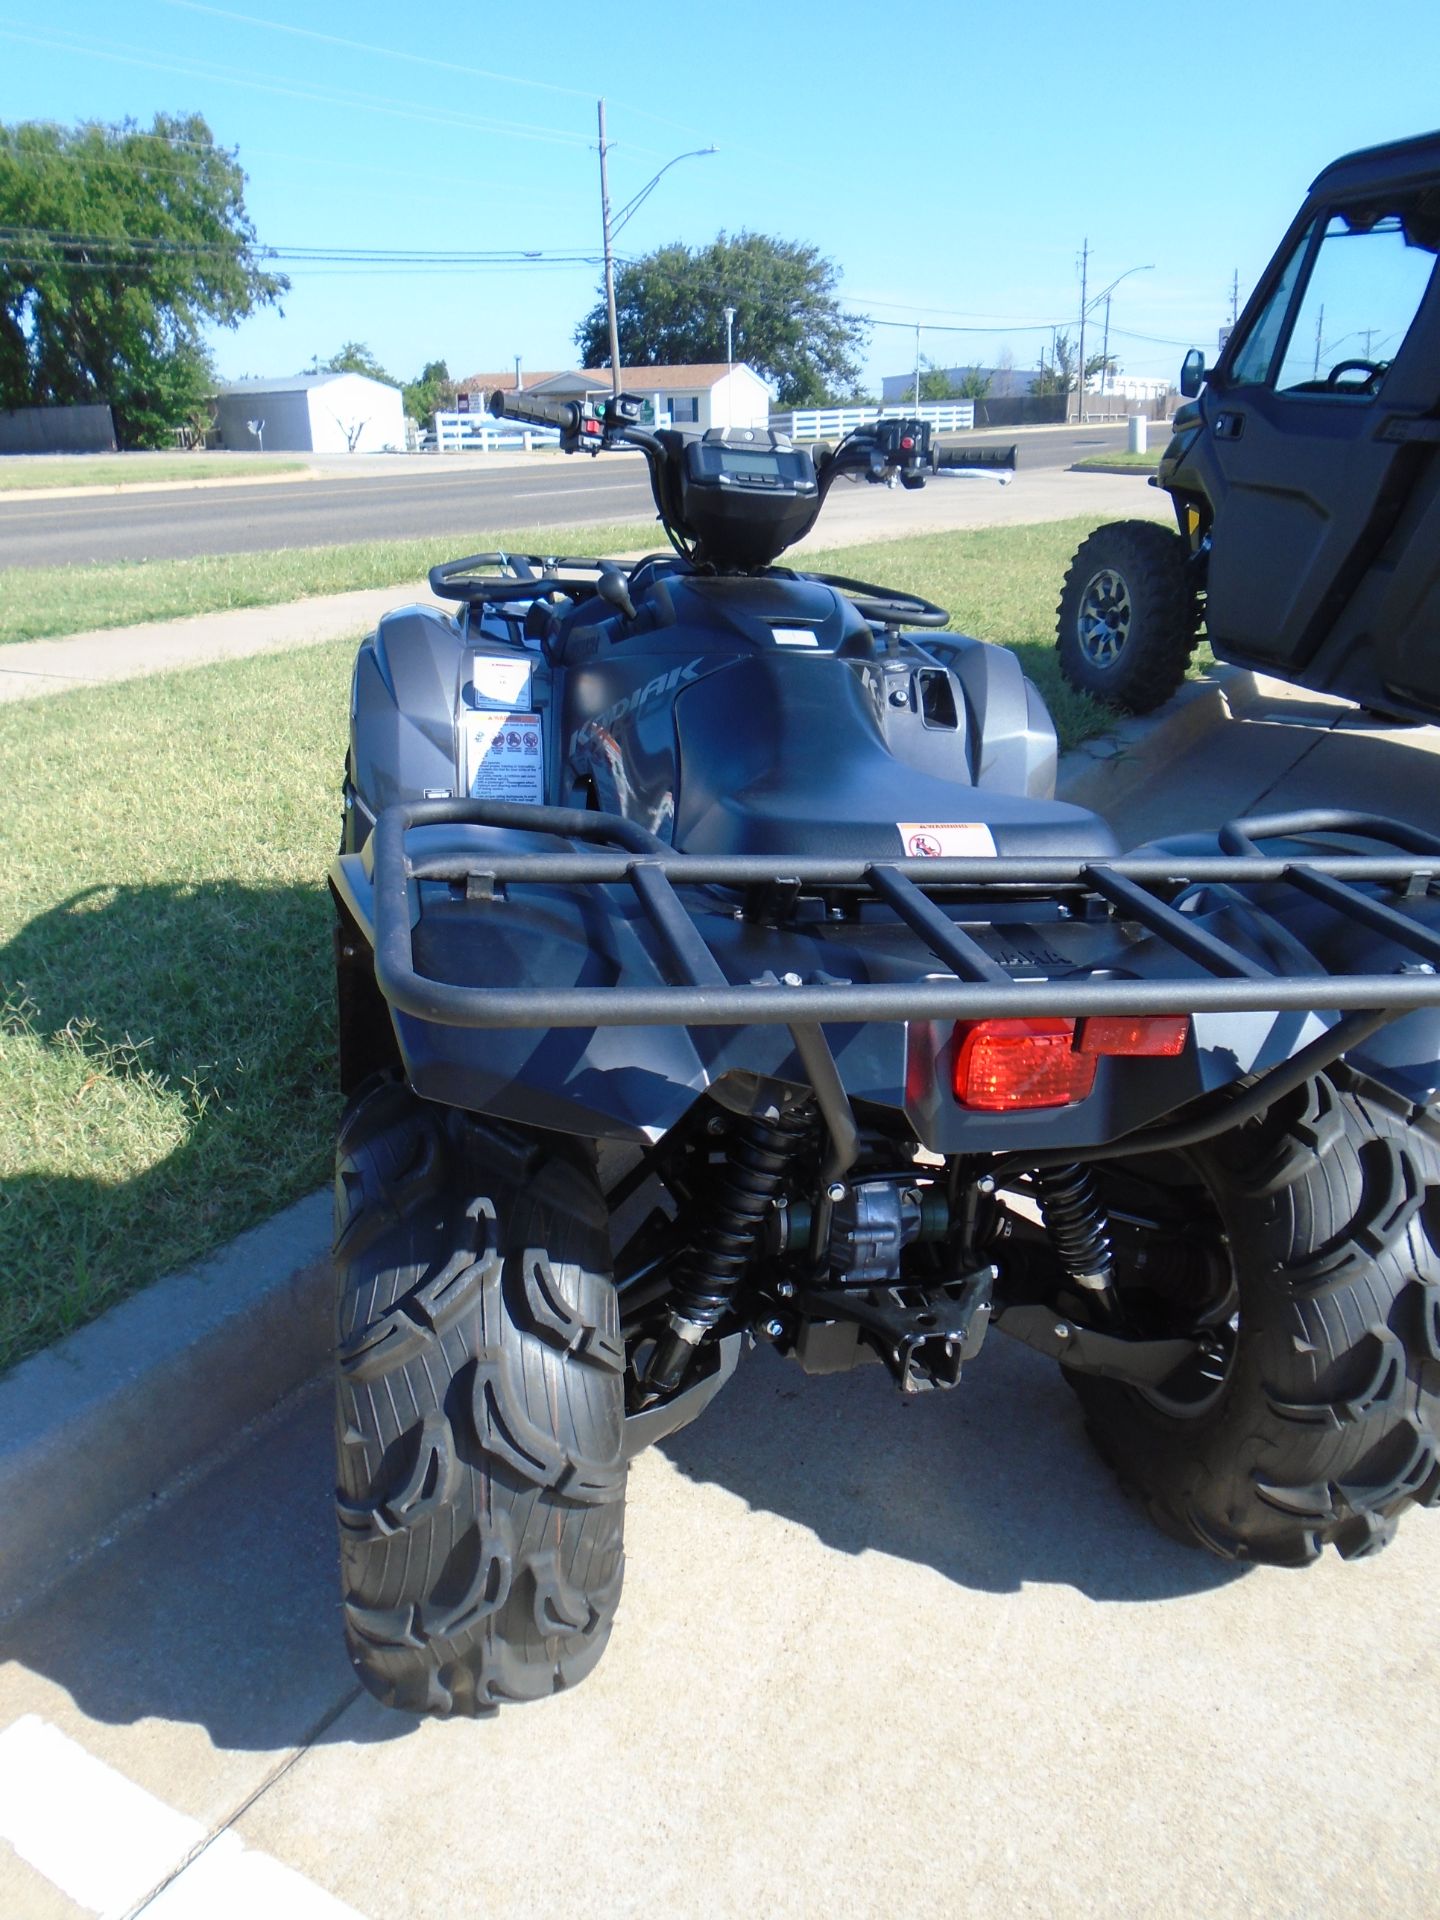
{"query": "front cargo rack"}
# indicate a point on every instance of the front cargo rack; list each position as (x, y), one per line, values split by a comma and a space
(616, 852)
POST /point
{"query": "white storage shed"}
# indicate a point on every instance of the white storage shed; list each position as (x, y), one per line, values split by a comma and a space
(311, 413)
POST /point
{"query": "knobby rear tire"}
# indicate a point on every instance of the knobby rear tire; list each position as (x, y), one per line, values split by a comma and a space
(1326, 1427)
(479, 1409)
(1163, 615)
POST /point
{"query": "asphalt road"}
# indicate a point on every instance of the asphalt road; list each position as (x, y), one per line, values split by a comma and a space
(422, 500)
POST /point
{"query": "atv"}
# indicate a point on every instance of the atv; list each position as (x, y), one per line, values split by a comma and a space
(1304, 471)
(716, 966)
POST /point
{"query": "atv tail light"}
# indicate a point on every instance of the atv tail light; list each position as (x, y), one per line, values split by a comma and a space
(907, 443)
(1151, 1035)
(1008, 1066)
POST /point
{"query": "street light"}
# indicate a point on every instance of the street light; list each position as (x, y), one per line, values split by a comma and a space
(611, 228)
(1104, 294)
(729, 365)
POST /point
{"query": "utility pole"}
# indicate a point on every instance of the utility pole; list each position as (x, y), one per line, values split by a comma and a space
(917, 366)
(1080, 370)
(519, 383)
(1105, 355)
(1235, 296)
(609, 260)
(1319, 325)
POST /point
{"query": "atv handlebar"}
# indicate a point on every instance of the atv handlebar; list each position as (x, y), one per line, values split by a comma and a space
(536, 410)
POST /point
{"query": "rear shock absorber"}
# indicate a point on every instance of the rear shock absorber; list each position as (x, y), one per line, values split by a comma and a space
(1078, 1227)
(759, 1155)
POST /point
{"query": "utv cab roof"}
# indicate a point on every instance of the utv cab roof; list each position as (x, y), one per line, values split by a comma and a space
(1394, 164)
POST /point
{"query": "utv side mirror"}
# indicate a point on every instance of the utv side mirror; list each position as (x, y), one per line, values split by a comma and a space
(1192, 373)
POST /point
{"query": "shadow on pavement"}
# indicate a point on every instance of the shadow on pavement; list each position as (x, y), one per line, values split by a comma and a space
(994, 1485)
(220, 1608)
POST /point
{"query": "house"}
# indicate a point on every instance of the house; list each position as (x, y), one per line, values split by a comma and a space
(699, 397)
(311, 413)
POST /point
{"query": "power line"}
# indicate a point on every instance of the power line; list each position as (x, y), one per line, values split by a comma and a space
(451, 67)
(931, 326)
(347, 98)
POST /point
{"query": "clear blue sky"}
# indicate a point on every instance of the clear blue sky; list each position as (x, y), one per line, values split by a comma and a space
(948, 155)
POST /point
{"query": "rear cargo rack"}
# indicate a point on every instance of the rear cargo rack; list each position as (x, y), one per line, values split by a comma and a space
(618, 853)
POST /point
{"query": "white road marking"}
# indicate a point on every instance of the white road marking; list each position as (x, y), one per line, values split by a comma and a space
(106, 1843)
(94, 1834)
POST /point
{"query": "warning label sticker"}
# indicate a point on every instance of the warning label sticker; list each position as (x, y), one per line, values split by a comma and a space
(505, 757)
(934, 839)
(500, 681)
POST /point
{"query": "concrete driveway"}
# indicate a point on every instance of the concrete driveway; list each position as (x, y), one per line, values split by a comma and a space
(874, 1657)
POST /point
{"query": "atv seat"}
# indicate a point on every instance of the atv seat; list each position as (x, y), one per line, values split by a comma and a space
(788, 756)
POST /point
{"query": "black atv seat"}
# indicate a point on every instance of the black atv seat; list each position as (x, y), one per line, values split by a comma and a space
(782, 756)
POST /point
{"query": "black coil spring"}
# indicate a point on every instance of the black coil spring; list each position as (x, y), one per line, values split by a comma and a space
(759, 1154)
(1077, 1223)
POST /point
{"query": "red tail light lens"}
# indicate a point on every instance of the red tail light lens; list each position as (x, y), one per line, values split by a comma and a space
(1153, 1035)
(1009, 1066)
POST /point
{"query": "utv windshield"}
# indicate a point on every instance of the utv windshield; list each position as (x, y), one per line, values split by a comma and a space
(1335, 328)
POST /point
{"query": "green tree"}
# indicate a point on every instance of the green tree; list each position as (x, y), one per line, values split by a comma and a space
(789, 325)
(973, 384)
(935, 382)
(353, 357)
(432, 391)
(1058, 375)
(117, 247)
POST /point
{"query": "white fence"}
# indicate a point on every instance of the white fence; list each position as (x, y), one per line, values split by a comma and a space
(828, 423)
(479, 433)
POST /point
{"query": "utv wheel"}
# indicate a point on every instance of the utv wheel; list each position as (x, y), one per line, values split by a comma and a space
(1127, 616)
(1315, 1422)
(479, 1409)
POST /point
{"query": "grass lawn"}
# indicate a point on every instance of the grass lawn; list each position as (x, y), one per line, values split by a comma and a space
(166, 1051)
(166, 1058)
(1122, 461)
(106, 470)
(38, 603)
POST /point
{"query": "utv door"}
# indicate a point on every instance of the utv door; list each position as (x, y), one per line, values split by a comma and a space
(1318, 415)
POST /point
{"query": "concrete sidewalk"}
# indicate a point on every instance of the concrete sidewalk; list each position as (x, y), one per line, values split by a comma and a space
(853, 515)
(31, 668)
(874, 1657)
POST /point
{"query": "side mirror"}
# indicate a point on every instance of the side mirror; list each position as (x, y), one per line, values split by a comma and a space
(1192, 373)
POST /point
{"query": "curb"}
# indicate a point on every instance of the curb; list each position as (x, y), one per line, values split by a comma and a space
(100, 1424)
(104, 491)
(97, 1427)
(1104, 772)
(1095, 465)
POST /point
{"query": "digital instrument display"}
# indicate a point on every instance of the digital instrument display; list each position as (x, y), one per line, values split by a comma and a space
(736, 460)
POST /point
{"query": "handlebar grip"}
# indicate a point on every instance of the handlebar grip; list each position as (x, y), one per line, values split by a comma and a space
(536, 409)
(1004, 459)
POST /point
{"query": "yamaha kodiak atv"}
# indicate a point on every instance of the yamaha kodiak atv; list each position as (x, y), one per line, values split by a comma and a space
(716, 967)
(1305, 472)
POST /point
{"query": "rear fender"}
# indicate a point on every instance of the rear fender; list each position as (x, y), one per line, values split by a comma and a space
(637, 1082)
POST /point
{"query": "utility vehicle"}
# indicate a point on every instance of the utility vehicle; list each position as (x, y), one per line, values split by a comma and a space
(1304, 470)
(716, 966)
